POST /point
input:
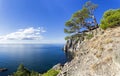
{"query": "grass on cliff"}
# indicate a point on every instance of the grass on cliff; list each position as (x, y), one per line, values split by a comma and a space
(89, 36)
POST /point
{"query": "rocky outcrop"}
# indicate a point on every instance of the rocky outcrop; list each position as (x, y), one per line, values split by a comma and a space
(99, 56)
(73, 44)
(3, 69)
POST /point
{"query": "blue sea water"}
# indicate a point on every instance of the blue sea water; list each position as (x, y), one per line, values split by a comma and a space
(37, 57)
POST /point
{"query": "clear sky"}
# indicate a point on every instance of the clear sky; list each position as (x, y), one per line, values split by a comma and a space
(42, 21)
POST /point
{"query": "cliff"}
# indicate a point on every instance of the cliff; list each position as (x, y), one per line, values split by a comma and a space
(98, 56)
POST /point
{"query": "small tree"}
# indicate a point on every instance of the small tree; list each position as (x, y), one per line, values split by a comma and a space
(22, 71)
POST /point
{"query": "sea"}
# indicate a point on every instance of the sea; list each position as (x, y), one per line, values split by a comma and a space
(37, 57)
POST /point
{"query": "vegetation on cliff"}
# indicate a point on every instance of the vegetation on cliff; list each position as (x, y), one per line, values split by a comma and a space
(51, 72)
(83, 25)
(22, 71)
(82, 19)
(111, 18)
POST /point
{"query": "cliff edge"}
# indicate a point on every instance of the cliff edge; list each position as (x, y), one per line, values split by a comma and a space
(98, 56)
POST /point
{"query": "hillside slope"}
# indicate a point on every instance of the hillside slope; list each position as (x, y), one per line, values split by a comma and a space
(99, 56)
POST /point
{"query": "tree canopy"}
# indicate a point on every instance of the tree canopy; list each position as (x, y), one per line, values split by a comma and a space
(83, 18)
(22, 71)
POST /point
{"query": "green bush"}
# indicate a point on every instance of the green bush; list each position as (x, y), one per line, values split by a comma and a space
(33, 73)
(51, 72)
(111, 18)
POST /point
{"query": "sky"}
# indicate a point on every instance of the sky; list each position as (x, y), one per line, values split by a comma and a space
(42, 21)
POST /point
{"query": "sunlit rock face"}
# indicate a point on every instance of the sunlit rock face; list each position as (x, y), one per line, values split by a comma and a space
(98, 56)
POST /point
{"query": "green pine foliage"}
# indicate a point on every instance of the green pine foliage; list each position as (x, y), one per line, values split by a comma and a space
(22, 71)
(80, 20)
(111, 18)
(67, 37)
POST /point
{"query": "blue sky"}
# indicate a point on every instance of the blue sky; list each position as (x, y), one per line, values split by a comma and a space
(45, 16)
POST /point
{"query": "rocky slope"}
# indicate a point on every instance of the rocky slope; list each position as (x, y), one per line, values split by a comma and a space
(99, 56)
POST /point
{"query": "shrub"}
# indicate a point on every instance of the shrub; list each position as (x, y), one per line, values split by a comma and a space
(111, 18)
(51, 72)
(33, 73)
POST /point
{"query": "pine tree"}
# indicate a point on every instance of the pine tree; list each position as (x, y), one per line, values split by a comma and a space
(83, 18)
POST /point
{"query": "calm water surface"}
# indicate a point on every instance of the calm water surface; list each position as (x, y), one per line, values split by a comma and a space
(37, 57)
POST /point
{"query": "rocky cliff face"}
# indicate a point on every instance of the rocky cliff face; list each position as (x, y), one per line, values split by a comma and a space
(73, 45)
(99, 56)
